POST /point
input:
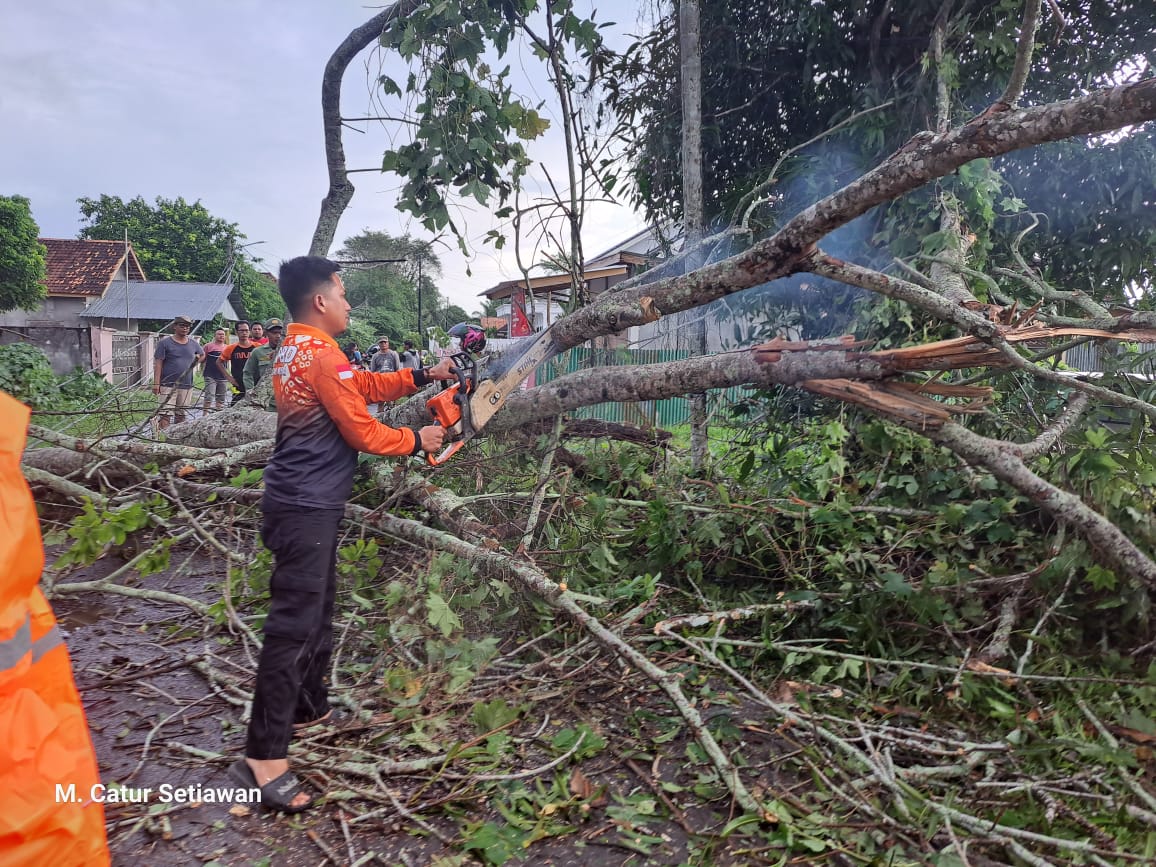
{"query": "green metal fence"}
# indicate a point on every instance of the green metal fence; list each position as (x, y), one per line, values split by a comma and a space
(657, 413)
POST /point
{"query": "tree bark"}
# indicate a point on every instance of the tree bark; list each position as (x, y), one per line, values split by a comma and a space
(340, 192)
(690, 57)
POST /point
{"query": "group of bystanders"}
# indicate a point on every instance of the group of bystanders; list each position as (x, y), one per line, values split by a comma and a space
(231, 370)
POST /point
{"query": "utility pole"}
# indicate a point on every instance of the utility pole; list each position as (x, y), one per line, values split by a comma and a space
(127, 326)
(420, 333)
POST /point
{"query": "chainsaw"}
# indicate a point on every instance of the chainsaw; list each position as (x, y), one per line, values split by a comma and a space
(465, 407)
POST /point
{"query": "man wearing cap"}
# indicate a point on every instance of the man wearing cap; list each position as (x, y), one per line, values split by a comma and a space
(173, 363)
(385, 360)
(262, 357)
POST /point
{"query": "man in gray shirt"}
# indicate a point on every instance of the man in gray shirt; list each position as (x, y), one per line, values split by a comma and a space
(385, 360)
(173, 364)
(410, 356)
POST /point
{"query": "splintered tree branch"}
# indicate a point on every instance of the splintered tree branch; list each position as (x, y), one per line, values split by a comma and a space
(971, 322)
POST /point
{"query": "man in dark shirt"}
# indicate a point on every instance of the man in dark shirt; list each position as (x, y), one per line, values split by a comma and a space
(260, 362)
(322, 424)
(233, 358)
(173, 364)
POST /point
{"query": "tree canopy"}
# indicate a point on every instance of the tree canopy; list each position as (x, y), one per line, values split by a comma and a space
(21, 256)
(776, 75)
(384, 294)
(175, 240)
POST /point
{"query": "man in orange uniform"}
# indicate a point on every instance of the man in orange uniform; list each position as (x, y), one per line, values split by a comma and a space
(48, 815)
(322, 424)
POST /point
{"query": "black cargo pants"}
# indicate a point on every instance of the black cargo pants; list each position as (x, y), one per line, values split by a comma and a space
(290, 686)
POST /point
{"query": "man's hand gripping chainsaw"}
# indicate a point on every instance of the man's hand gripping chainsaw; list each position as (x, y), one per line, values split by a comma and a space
(450, 408)
(466, 406)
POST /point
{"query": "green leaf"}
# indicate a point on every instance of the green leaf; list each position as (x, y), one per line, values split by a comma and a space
(488, 716)
(441, 616)
(896, 585)
(497, 843)
(592, 743)
(388, 86)
(1101, 578)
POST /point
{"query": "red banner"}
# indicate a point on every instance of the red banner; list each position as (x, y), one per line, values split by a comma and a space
(519, 324)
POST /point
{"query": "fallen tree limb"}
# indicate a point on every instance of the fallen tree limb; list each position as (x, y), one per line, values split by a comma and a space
(1003, 461)
(258, 450)
(533, 580)
(909, 168)
(42, 478)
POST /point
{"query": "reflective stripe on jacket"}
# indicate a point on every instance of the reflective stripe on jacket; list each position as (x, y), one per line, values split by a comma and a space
(44, 743)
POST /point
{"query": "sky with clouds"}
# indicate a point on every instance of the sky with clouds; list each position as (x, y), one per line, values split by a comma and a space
(219, 100)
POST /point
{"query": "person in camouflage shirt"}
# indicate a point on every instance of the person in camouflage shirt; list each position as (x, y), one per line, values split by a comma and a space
(260, 361)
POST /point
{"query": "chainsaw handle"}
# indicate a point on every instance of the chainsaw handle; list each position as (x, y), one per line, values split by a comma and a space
(445, 454)
(444, 406)
(449, 409)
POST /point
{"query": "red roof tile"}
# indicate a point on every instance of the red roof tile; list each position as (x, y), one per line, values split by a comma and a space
(81, 267)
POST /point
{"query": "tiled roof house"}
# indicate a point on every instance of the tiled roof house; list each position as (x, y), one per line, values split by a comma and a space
(77, 273)
(82, 268)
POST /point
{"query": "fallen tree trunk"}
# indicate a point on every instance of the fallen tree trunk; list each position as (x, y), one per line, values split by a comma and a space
(825, 367)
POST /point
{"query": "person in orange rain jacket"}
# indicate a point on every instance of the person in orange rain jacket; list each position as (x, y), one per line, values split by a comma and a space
(51, 814)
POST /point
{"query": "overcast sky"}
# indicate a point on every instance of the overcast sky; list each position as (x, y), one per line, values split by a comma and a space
(219, 100)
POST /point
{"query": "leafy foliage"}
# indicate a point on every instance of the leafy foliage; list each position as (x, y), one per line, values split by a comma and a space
(26, 374)
(259, 294)
(384, 295)
(468, 126)
(175, 240)
(468, 121)
(21, 256)
(778, 74)
(95, 531)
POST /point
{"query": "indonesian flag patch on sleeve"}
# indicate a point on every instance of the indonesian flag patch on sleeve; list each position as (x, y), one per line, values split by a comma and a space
(344, 371)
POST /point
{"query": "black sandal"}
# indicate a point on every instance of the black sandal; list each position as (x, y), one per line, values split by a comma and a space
(276, 794)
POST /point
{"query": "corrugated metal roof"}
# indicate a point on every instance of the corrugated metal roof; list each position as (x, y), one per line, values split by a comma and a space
(156, 299)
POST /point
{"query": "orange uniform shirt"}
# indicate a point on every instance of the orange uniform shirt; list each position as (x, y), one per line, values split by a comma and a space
(323, 421)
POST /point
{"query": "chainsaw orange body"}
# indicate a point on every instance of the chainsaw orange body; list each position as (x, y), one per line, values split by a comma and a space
(450, 408)
(467, 406)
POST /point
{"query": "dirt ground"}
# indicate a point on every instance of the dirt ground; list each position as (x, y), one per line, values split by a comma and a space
(146, 706)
